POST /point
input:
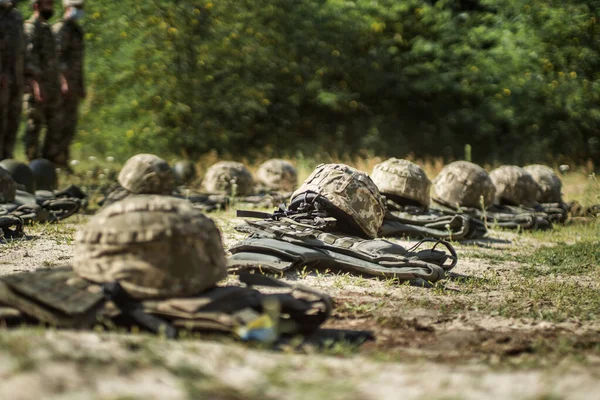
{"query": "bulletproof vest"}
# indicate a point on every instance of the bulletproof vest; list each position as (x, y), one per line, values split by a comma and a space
(61, 298)
(413, 222)
(45, 205)
(278, 246)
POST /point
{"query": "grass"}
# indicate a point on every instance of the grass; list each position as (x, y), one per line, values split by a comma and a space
(580, 258)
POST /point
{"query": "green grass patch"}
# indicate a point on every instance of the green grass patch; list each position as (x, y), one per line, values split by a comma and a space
(565, 259)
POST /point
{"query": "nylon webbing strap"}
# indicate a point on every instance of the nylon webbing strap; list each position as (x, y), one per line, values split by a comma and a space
(134, 309)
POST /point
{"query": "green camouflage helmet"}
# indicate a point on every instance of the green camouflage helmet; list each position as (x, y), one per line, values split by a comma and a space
(8, 187)
(147, 174)
(514, 186)
(154, 246)
(463, 183)
(184, 171)
(21, 173)
(277, 174)
(349, 191)
(402, 180)
(222, 176)
(549, 183)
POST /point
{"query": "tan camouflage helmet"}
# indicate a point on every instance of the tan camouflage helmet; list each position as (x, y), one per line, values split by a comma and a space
(350, 191)
(154, 246)
(514, 186)
(550, 186)
(147, 174)
(278, 174)
(8, 187)
(463, 183)
(222, 176)
(402, 179)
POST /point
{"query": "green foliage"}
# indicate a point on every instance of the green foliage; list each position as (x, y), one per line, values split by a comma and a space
(516, 79)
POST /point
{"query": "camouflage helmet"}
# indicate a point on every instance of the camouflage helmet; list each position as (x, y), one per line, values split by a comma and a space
(402, 181)
(221, 177)
(154, 246)
(8, 187)
(463, 183)
(184, 171)
(147, 174)
(21, 173)
(44, 174)
(348, 191)
(549, 183)
(278, 174)
(514, 186)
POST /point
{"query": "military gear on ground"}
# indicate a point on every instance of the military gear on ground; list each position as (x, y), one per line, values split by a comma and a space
(154, 246)
(514, 186)
(278, 246)
(345, 193)
(44, 174)
(147, 174)
(403, 182)
(277, 175)
(44, 206)
(466, 184)
(11, 226)
(20, 172)
(413, 223)
(57, 297)
(228, 177)
(42, 66)
(501, 216)
(8, 187)
(60, 298)
(549, 184)
(70, 52)
(185, 172)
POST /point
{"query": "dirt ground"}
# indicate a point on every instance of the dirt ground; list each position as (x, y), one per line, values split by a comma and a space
(505, 324)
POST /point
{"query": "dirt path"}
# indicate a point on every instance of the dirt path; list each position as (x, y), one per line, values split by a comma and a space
(491, 330)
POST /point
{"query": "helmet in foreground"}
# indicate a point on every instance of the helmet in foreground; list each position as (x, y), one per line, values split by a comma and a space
(154, 246)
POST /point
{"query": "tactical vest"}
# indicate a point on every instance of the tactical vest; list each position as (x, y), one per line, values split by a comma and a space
(60, 298)
(278, 246)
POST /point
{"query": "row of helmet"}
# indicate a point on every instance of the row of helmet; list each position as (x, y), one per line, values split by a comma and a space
(463, 183)
(147, 173)
(40, 174)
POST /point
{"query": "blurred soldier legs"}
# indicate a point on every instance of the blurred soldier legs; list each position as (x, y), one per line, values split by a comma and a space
(3, 118)
(15, 108)
(70, 114)
(38, 115)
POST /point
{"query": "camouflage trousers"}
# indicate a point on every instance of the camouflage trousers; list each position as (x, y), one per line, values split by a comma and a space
(47, 113)
(13, 119)
(70, 115)
(3, 118)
